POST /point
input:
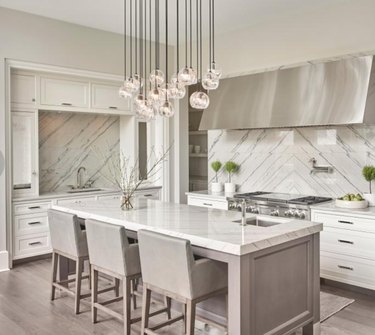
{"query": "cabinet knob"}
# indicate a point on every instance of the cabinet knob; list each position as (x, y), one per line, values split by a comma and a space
(33, 99)
(34, 173)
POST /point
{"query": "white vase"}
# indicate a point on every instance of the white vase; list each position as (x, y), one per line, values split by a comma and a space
(370, 197)
(230, 187)
(216, 187)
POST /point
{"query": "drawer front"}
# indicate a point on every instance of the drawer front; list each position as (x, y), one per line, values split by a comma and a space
(31, 208)
(192, 201)
(74, 201)
(106, 97)
(32, 245)
(343, 221)
(351, 243)
(350, 270)
(149, 194)
(30, 224)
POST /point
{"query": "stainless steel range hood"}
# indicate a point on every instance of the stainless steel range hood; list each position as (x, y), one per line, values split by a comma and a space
(330, 93)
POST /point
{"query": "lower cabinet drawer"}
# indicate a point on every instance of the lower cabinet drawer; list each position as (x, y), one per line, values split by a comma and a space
(347, 269)
(207, 203)
(345, 242)
(30, 224)
(148, 194)
(31, 245)
(29, 208)
(108, 197)
(75, 200)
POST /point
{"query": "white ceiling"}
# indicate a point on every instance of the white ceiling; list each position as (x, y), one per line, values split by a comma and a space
(108, 14)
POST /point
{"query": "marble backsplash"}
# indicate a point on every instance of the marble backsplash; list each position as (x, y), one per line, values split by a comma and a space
(278, 160)
(68, 141)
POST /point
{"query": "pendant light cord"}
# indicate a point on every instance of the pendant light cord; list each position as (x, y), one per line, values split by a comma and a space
(178, 38)
(200, 42)
(197, 20)
(150, 35)
(141, 42)
(136, 34)
(166, 47)
(157, 65)
(210, 34)
(213, 31)
(131, 37)
(191, 34)
(125, 51)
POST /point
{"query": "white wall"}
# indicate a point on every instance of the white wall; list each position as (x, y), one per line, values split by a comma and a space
(41, 40)
(326, 32)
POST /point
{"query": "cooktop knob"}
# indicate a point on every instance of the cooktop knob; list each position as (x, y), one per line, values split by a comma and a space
(275, 212)
(301, 215)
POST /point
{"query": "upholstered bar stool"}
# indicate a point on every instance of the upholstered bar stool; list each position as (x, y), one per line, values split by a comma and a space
(111, 254)
(169, 268)
(68, 240)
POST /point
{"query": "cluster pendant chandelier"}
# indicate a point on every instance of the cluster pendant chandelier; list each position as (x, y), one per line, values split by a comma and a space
(150, 88)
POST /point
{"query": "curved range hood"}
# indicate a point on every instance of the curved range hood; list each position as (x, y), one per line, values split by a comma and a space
(331, 93)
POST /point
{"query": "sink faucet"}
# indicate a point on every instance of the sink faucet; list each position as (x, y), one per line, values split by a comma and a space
(243, 211)
(79, 176)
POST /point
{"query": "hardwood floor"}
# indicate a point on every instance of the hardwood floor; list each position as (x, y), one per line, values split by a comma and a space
(25, 308)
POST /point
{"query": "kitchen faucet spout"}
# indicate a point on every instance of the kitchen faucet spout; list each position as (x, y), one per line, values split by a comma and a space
(79, 176)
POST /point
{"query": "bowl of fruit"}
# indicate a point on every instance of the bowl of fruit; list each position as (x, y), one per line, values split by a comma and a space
(354, 201)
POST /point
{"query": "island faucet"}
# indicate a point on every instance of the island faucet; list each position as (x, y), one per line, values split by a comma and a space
(79, 176)
(243, 211)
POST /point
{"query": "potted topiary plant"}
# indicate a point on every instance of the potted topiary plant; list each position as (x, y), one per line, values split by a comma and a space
(216, 187)
(368, 173)
(231, 168)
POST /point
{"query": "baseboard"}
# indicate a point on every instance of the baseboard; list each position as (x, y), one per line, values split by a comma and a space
(4, 261)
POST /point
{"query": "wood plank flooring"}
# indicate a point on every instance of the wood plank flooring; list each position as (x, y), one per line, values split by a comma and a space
(25, 308)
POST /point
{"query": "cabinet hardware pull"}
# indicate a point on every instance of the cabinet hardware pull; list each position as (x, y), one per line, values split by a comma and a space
(345, 267)
(66, 104)
(148, 195)
(35, 243)
(345, 222)
(345, 241)
(207, 204)
(112, 107)
(33, 207)
(35, 222)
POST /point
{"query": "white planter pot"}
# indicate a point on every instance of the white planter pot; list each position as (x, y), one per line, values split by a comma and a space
(216, 187)
(370, 197)
(230, 187)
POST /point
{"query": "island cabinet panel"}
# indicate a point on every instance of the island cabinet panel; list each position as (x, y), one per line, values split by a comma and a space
(347, 247)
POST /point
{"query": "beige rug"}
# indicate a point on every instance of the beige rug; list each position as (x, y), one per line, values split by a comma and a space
(330, 304)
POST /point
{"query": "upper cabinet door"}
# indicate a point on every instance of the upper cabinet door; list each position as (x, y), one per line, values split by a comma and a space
(105, 96)
(23, 90)
(65, 93)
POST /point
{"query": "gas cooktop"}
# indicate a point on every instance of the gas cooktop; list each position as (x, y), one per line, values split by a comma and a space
(286, 198)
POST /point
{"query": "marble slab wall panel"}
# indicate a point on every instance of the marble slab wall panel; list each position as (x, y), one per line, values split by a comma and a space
(68, 141)
(278, 160)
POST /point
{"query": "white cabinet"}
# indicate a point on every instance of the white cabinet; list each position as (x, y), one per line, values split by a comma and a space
(23, 90)
(347, 245)
(105, 96)
(207, 202)
(64, 92)
(25, 153)
(30, 229)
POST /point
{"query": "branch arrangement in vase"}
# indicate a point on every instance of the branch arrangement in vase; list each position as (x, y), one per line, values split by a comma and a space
(124, 173)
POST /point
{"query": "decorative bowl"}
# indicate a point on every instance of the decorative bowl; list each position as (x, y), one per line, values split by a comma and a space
(351, 204)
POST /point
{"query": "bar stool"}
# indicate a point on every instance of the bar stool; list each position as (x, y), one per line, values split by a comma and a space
(111, 254)
(169, 268)
(68, 240)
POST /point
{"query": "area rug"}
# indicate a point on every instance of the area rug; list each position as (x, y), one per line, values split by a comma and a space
(330, 304)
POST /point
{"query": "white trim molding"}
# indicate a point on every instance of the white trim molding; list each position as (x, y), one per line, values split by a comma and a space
(4, 261)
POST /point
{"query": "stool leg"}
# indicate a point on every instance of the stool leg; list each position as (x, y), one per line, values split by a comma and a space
(94, 294)
(168, 303)
(117, 287)
(79, 267)
(146, 299)
(55, 257)
(184, 313)
(126, 288)
(134, 288)
(190, 317)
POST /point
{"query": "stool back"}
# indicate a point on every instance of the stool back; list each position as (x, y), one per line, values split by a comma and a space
(110, 250)
(66, 233)
(166, 262)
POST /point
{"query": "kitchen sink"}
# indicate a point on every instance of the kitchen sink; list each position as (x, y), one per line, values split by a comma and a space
(84, 190)
(259, 222)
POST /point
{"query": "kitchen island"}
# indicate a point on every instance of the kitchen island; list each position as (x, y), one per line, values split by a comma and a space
(273, 268)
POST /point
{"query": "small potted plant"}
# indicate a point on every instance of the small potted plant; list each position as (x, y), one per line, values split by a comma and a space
(216, 187)
(231, 168)
(368, 173)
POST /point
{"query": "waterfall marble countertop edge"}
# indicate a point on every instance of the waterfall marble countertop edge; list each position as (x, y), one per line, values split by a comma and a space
(207, 228)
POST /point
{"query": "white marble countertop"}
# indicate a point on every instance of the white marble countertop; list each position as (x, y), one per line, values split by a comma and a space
(331, 207)
(208, 228)
(209, 195)
(59, 195)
